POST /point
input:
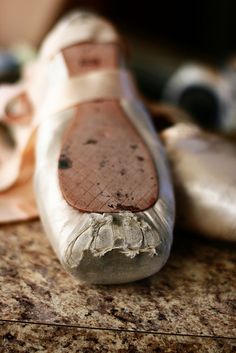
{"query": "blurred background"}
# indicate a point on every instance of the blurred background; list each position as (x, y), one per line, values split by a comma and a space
(161, 36)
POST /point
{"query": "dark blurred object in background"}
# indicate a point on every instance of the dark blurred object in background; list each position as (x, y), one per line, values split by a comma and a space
(203, 26)
(9, 67)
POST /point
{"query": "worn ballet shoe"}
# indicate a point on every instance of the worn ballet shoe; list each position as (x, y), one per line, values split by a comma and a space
(203, 166)
(102, 182)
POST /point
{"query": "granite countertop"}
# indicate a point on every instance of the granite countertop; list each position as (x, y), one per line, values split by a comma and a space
(188, 307)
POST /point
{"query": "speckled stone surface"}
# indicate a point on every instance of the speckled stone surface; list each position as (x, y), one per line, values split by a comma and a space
(190, 302)
(27, 338)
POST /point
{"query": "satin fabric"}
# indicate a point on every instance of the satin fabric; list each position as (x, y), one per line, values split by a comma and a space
(203, 166)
